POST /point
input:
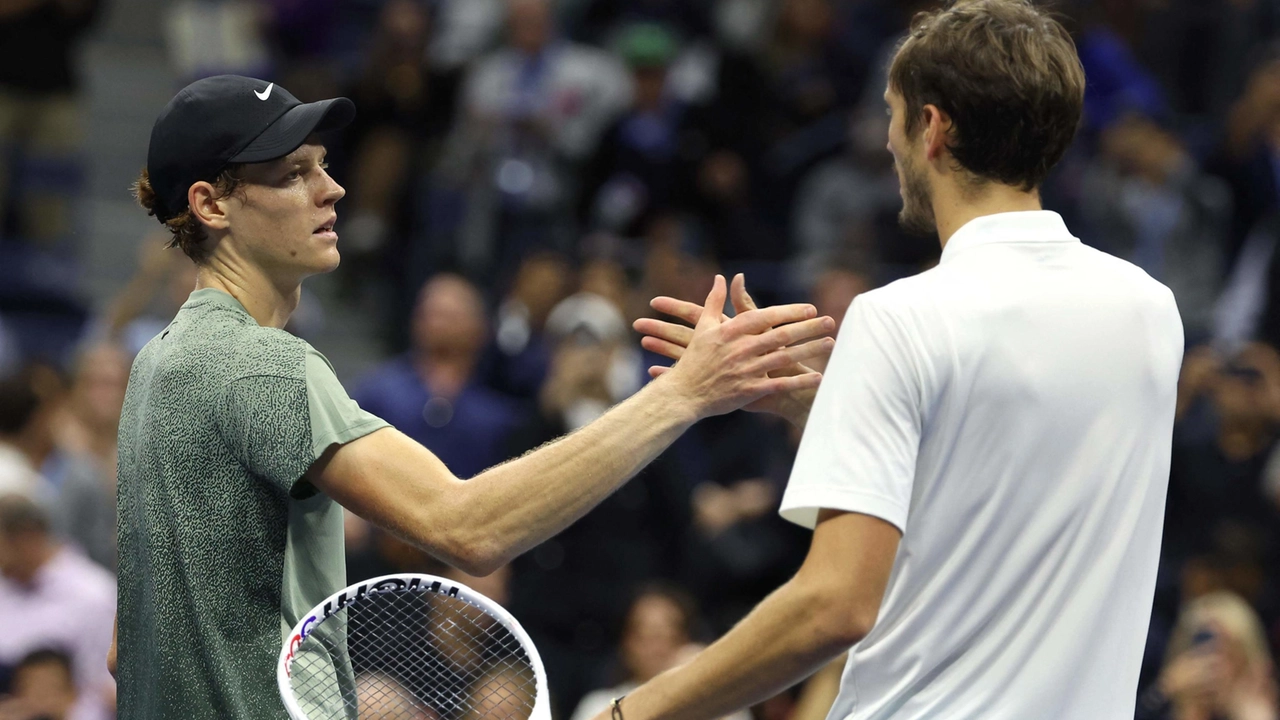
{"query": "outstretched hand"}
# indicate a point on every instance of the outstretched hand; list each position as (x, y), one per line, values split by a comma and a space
(791, 399)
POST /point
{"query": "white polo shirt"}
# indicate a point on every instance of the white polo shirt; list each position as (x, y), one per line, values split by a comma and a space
(1011, 412)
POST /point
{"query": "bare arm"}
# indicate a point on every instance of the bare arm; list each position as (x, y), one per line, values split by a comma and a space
(829, 605)
(482, 523)
(111, 652)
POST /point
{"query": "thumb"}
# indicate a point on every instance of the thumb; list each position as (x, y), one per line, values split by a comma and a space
(742, 302)
(713, 310)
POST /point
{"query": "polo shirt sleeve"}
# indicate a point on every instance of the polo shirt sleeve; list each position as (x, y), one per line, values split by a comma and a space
(859, 449)
(336, 419)
(277, 427)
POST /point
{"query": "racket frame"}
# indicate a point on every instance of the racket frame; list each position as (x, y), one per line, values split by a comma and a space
(399, 582)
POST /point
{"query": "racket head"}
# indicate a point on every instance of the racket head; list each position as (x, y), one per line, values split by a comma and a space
(411, 646)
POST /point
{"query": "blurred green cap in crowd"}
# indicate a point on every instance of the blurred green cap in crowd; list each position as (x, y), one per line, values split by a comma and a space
(646, 45)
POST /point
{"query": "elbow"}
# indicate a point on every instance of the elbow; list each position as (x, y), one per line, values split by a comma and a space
(842, 622)
(475, 555)
(845, 628)
(477, 563)
(856, 626)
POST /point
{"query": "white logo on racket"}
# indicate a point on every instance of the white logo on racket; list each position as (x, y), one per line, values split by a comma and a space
(411, 647)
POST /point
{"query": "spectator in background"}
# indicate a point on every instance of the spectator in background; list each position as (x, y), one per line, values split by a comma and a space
(656, 635)
(738, 549)
(67, 484)
(406, 103)
(51, 596)
(43, 688)
(834, 291)
(601, 18)
(26, 409)
(571, 591)
(1251, 152)
(40, 130)
(1146, 200)
(641, 166)
(1217, 667)
(846, 208)
(90, 417)
(162, 281)
(1228, 410)
(521, 352)
(433, 393)
(467, 29)
(531, 112)
(1201, 52)
(301, 36)
(776, 115)
(83, 466)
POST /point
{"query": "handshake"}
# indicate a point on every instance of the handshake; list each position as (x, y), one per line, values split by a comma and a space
(754, 360)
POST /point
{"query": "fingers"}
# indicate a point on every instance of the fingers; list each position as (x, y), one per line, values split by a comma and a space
(742, 302)
(683, 309)
(713, 310)
(656, 371)
(795, 333)
(754, 322)
(662, 347)
(671, 332)
(789, 356)
(792, 383)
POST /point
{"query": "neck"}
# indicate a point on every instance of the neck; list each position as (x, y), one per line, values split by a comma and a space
(37, 558)
(954, 205)
(445, 372)
(270, 302)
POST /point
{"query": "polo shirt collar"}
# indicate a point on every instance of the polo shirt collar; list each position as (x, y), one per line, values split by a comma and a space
(1030, 226)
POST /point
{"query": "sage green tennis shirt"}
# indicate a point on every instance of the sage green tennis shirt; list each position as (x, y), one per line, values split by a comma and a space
(223, 545)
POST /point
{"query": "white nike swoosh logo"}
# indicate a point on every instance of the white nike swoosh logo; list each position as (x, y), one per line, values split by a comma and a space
(265, 93)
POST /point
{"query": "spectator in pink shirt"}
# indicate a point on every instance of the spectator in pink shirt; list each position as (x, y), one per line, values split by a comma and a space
(53, 597)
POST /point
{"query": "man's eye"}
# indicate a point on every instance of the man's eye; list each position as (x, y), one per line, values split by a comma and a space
(292, 176)
(324, 165)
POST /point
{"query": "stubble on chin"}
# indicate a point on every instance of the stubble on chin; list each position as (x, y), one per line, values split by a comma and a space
(916, 216)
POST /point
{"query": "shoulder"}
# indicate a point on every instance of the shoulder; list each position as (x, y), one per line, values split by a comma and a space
(1123, 276)
(908, 300)
(269, 352)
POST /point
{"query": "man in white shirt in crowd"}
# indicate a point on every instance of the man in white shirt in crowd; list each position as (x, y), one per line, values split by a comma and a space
(985, 463)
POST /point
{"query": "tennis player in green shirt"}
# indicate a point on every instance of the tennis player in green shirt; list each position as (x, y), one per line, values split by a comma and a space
(238, 445)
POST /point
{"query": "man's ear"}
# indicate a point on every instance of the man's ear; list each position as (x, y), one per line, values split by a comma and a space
(937, 129)
(206, 206)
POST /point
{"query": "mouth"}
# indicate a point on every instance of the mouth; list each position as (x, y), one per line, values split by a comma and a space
(326, 230)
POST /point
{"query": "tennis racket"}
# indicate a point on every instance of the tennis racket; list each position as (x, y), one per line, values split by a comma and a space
(411, 647)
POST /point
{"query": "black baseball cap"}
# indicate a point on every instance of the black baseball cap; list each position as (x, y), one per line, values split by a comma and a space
(229, 119)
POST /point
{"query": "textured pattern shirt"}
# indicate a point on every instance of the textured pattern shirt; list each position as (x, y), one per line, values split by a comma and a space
(223, 544)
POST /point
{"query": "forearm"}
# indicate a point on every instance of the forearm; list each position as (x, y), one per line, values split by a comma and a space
(784, 640)
(519, 504)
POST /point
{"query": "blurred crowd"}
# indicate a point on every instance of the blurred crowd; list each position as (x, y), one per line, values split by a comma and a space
(522, 176)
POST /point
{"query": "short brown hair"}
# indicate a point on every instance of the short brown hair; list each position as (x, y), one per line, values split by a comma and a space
(188, 233)
(1008, 75)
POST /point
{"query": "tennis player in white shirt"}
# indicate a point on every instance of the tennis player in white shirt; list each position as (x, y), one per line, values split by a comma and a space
(985, 463)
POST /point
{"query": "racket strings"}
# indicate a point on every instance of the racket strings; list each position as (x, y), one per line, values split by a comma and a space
(413, 656)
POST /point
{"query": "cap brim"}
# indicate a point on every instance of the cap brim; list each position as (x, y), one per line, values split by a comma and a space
(292, 128)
